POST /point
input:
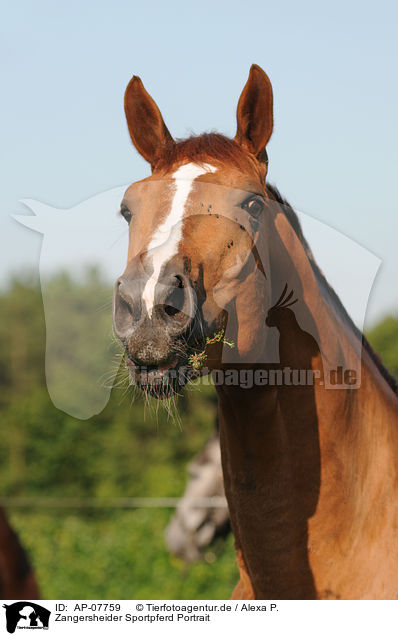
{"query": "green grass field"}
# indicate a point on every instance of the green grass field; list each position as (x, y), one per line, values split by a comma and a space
(119, 555)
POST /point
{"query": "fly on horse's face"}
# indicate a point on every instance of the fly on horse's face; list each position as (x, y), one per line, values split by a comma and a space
(192, 262)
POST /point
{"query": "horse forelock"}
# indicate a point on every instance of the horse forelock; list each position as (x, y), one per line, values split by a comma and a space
(208, 148)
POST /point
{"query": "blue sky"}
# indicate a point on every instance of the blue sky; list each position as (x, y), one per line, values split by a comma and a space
(333, 66)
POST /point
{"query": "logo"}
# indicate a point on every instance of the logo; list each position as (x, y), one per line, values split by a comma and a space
(26, 615)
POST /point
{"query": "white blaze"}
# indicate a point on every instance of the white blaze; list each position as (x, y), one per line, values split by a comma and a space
(165, 241)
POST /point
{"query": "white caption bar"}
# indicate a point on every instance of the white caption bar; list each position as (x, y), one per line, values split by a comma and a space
(175, 617)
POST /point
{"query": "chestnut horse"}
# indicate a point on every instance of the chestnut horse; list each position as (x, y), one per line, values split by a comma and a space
(216, 255)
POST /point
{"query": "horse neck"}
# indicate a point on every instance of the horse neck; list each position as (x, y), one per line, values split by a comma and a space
(294, 453)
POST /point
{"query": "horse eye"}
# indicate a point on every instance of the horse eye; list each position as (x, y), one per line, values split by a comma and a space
(254, 205)
(126, 213)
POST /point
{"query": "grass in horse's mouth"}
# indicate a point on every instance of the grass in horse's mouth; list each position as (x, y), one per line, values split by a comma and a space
(164, 382)
(197, 359)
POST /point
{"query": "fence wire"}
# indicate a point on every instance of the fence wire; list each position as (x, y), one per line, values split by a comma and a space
(114, 502)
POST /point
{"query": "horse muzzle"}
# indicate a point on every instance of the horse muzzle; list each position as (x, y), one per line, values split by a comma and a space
(154, 320)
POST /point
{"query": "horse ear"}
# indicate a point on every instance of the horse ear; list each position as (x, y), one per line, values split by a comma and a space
(255, 113)
(147, 129)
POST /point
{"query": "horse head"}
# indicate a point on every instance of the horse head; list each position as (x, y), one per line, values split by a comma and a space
(193, 265)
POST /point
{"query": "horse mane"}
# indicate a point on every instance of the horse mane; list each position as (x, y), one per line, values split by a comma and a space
(216, 147)
(295, 223)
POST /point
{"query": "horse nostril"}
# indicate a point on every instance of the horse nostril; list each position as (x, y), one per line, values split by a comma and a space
(125, 307)
(174, 301)
(171, 311)
(123, 304)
